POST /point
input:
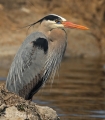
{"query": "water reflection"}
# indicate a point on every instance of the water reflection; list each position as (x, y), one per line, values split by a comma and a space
(78, 92)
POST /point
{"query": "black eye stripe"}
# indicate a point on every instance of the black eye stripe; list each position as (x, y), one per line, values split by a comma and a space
(52, 18)
(58, 21)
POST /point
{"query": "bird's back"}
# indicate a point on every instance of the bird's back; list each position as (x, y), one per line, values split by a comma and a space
(28, 65)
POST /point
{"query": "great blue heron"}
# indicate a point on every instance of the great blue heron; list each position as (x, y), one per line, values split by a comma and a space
(39, 56)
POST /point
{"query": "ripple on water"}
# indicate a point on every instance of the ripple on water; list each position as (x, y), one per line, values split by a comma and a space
(79, 91)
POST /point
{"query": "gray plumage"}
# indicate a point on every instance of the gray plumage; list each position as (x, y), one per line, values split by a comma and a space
(31, 61)
(39, 56)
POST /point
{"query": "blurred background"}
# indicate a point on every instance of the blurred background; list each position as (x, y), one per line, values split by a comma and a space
(78, 92)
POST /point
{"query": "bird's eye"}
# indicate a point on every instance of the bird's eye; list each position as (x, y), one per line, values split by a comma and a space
(58, 21)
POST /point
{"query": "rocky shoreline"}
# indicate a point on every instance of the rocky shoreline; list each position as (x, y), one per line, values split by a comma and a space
(13, 107)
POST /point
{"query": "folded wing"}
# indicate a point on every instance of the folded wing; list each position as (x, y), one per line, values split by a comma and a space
(26, 72)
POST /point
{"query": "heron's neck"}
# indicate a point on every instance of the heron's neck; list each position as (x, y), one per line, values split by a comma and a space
(44, 29)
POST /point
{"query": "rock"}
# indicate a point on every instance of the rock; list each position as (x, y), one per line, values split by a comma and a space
(13, 107)
(12, 113)
(45, 111)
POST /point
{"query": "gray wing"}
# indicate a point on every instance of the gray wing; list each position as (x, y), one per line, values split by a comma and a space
(28, 65)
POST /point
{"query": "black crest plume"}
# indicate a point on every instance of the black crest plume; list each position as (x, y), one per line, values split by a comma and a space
(48, 17)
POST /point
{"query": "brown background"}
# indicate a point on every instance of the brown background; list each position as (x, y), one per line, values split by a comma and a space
(15, 14)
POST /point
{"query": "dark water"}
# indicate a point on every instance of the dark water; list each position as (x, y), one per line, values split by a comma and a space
(78, 93)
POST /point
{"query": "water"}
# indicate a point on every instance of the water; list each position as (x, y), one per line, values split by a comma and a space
(78, 93)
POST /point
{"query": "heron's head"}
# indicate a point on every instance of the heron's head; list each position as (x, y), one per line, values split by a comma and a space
(52, 21)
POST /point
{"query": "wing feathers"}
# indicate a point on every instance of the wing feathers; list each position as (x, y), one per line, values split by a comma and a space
(33, 65)
(27, 64)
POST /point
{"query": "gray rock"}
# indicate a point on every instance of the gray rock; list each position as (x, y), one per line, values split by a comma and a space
(13, 107)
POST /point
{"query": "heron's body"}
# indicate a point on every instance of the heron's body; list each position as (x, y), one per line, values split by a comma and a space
(36, 64)
(38, 57)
